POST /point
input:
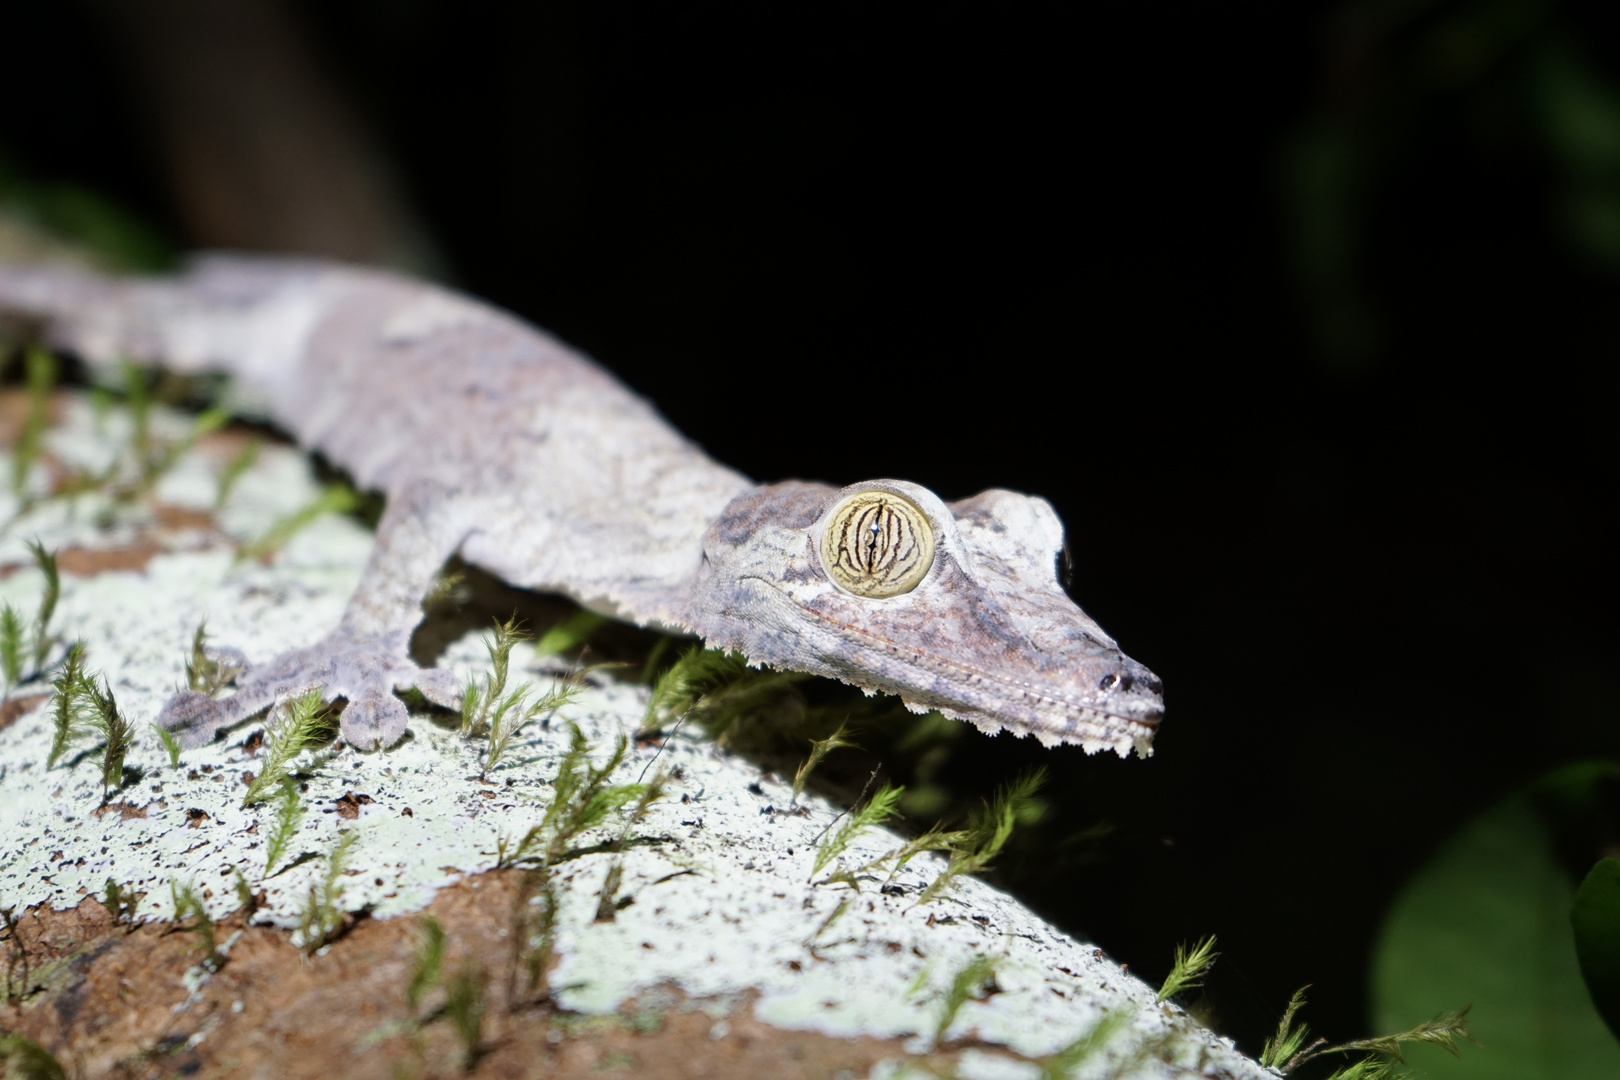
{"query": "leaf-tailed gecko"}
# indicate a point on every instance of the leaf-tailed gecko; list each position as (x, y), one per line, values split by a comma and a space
(491, 439)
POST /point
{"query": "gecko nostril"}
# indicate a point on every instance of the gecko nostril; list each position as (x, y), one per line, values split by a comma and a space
(1108, 681)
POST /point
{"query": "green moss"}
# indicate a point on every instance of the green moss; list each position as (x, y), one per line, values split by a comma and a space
(1189, 968)
(301, 726)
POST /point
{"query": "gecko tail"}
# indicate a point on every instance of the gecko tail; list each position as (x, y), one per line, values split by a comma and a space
(247, 315)
(60, 305)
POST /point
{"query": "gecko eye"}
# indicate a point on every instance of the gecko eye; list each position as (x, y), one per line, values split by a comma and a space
(877, 544)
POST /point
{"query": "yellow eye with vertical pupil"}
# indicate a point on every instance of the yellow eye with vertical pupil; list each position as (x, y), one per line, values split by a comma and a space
(877, 544)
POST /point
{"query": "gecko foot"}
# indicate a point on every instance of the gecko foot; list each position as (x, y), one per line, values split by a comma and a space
(365, 672)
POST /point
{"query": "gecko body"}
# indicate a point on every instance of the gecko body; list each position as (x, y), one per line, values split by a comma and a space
(492, 440)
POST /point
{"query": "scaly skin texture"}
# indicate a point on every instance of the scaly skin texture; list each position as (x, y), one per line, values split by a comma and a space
(492, 440)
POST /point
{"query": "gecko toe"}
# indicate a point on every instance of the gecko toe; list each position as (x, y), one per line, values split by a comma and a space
(193, 716)
(438, 685)
(197, 718)
(373, 721)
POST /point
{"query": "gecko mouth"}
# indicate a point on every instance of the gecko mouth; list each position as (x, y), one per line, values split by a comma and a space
(989, 700)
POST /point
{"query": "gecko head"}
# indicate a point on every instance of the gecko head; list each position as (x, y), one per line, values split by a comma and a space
(955, 607)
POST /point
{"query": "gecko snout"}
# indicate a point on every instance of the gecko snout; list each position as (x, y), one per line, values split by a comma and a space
(1126, 681)
(1133, 690)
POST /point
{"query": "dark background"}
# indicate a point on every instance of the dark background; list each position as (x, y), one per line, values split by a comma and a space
(1302, 316)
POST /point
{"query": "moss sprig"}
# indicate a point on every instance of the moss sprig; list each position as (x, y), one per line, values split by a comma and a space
(1061, 1065)
(17, 984)
(322, 914)
(975, 981)
(170, 743)
(43, 640)
(1189, 968)
(1286, 1050)
(188, 904)
(570, 633)
(300, 727)
(40, 374)
(819, 748)
(581, 800)
(25, 645)
(883, 805)
(515, 712)
(120, 902)
(234, 470)
(989, 832)
(11, 645)
(27, 1060)
(478, 702)
(116, 731)
(208, 673)
(427, 961)
(465, 999)
(289, 815)
(333, 499)
(717, 689)
(608, 904)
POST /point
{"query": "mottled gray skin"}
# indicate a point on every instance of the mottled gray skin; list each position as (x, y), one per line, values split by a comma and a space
(492, 440)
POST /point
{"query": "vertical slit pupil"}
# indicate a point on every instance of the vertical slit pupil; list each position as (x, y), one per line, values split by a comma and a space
(876, 540)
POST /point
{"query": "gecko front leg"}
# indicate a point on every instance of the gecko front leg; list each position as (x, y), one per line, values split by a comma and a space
(367, 657)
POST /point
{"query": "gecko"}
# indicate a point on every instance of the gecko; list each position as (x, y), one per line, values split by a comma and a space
(492, 440)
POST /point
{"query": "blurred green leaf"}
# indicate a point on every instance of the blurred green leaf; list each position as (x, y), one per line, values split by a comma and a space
(1596, 920)
(1579, 113)
(1487, 921)
(105, 231)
